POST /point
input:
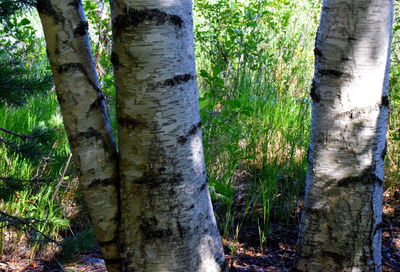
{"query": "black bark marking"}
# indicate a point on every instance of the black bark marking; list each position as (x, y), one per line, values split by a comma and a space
(377, 228)
(102, 183)
(154, 180)
(113, 261)
(90, 133)
(130, 123)
(339, 259)
(179, 79)
(317, 52)
(385, 101)
(203, 186)
(192, 131)
(69, 66)
(107, 243)
(150, 230)
(45, 7)
(331, 72)
(75, 3)
(384, 151)
(182, 139)
(81, 29)
(313, 92)
(115, 59)
(97, 104)
(309, 159)
(135, 17)
(182, 230)
(366, 177)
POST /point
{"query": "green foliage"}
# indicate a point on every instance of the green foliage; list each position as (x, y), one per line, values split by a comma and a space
(255, 65)
(255, 61)
(9, 8)
(22, 73)
(30, 167)
(392, 166)
(33, 146)
(18, 81)
(83, 242)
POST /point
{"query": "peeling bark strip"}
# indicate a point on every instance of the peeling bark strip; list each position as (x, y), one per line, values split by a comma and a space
(65, 67)
(167, 221)
(341, 223)
(135, 17)
(85, 119)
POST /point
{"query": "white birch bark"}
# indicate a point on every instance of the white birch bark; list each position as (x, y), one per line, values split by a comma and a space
(341, 228)
(167, 221)
(85, 119)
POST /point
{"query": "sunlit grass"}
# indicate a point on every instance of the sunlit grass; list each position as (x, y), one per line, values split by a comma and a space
(32, 167)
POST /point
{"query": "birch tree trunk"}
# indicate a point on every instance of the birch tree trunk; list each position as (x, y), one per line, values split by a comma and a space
(85, 119)
(167, 221)
(341, 227)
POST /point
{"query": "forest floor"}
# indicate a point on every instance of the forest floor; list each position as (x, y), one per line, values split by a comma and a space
(278, 254)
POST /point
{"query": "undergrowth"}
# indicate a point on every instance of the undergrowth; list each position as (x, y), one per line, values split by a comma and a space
(255, 61)
(255, 66)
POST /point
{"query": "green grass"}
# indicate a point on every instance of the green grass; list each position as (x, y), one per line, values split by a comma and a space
(32, 166)
(255, 66)
(255, 107)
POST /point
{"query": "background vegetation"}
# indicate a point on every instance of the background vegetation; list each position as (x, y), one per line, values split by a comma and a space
(255, 65)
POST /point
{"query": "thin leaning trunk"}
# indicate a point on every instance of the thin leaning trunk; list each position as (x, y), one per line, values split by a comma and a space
(85, 119)
(167, 221)
(341, 228)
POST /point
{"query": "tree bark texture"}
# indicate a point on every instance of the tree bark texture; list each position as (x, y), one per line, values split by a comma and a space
(167, 219)
(85, 119)
(341, 226)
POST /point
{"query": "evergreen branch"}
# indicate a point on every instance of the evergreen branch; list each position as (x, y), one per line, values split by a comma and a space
(23, 180)
(20, 223)
(24, 137)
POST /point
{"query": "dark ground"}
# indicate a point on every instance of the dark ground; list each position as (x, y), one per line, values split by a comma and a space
(278, 254)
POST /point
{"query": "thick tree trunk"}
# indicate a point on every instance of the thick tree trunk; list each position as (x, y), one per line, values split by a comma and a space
(85, 118)
(341, 228)
(167, 219)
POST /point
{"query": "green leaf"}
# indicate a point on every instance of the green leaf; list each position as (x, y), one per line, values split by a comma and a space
(24, 22)
(204, 104)
(204, 73)
(216, 70)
